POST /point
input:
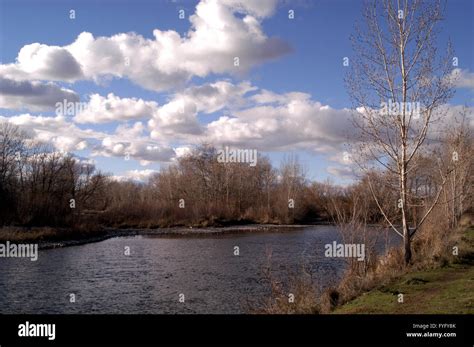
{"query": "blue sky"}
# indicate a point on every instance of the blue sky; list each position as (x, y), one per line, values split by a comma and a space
(318, 38)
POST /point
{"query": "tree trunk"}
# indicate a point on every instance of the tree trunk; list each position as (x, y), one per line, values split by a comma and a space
(407, 248)
(403, 191)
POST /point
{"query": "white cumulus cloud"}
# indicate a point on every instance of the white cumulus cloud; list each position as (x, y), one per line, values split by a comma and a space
(33, 95)
(113, 108)
(216, 37)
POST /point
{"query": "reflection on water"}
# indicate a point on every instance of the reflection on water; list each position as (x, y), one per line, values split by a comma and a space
(204, 269)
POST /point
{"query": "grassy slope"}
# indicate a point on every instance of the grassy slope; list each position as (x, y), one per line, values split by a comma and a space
(449, 289)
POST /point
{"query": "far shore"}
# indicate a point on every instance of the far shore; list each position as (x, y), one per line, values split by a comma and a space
(48, 237)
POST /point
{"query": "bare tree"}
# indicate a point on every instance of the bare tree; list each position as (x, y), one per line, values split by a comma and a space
(398, 83)
(292, 181)
(458, 147)
(350, 211)
(12, 149)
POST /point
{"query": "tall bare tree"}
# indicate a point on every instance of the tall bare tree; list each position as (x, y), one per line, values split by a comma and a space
(458, 146)
(398, 82)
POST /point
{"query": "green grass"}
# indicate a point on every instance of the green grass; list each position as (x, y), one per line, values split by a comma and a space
(449, 289)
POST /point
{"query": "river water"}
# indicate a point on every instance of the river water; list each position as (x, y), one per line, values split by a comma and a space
(205, 269)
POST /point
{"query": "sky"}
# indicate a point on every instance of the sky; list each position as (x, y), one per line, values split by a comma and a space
(153, 79)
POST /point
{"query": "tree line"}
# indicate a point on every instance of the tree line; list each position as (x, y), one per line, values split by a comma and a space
(41, 187)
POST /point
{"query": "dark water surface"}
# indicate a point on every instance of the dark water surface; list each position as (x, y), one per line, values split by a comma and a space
(204, 269)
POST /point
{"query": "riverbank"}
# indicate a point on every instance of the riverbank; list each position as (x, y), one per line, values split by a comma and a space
(48, 237)
(445, 290)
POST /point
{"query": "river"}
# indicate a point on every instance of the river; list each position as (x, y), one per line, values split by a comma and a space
(205, 269)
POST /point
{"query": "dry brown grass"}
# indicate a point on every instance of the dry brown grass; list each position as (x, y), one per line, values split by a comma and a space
(20, 234)
(299, 297)
(42, 234)
(432, 248)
